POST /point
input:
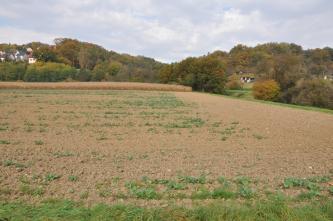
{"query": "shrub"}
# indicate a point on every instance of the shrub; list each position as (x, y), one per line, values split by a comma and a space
(12, 71)
(234, 83)
(266, 90)
(49, 72)
(313, 92)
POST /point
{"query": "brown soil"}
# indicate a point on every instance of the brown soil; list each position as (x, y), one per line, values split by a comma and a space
(107, 138)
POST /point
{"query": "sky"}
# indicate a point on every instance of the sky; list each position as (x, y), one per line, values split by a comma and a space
(169, 30)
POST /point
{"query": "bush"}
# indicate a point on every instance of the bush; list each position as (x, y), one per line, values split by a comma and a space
(49, 72)
(12, 71)
(234, 83)
(266, 90)
(313, 92)
(83, 75)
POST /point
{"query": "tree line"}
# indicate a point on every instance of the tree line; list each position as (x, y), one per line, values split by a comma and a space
(284, 72)
(79, 61)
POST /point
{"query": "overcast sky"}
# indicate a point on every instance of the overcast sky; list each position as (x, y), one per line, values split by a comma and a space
(169, 30)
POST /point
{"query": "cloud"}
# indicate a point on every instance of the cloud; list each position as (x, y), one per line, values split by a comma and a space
(21, 36)
(168, 30)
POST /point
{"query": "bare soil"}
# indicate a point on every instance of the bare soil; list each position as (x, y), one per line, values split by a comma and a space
(86, 145)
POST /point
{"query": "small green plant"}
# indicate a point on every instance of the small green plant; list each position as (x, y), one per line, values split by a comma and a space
(160, 181)
(73, 178)
(141, 192)
(172, 185)
(8, 163)
(308, 195)
(258, 136)
(293, 182)
(24, 179)
(51, 177)
(104, 193)
(320, 179)
(222, 193)
(6, 142)
(84, 195)
(63, 154)
(3, 128)
(193, 180)
(246, 192)
(223, 181)
(202, 193)
(216, 124)
(130, 157)
(39, 142)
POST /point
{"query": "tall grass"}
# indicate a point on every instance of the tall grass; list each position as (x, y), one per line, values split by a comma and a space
(274, 209)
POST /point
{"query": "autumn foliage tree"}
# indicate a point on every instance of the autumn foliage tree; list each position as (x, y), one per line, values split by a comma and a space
(205, 73)
(266, 90)
(313, 92)
(234, 83)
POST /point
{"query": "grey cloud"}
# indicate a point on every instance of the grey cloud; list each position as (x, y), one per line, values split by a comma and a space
(168, 30)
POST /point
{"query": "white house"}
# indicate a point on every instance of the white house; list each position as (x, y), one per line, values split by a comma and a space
(32, 60)
(2, 56)
(18, 56)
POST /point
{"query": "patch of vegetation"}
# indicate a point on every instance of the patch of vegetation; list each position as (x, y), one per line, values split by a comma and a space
(308, 195)
(142, 192)
(186, 123)
(73, 178)
(202, 193)
(241, 180)
(272, 209)
(309, 183)
(51, 177)
(192, 180)
(4, 126)
(39, 142)
(172, 185)
(6, 142)
(246, 192)
(330, 190)
(84, 195)
(223, 181)
(222, 193)
(63, 154)
(8, 163)
(258, 136)
(32, 190)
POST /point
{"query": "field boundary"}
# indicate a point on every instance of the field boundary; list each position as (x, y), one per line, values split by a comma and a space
(292, 106)
(94, 86)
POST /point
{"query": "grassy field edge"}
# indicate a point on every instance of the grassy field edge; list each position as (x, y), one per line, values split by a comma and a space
(272, 209)
(294, 106)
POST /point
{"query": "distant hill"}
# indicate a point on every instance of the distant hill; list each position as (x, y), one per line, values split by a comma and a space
(95, 62)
